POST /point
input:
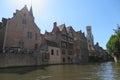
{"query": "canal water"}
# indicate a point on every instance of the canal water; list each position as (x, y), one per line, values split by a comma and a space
(101, 71)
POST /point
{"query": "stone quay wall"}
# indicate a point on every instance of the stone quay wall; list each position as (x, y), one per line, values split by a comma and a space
(14, 60)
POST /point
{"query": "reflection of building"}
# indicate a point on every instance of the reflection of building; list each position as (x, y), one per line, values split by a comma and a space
(20, 31)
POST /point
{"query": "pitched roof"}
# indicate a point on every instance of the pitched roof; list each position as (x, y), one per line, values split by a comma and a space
(69, 28)
(24, 8)
(42, 36)
(55, 30)
(61, 27)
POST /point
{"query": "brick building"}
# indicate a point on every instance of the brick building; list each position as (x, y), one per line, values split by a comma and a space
(20, 31)
(2, 32)
(80, 47)
(68, 40)
(62, 45)
(50, 52)
(64, 38)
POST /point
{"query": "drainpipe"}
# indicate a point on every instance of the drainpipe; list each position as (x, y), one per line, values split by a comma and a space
(5, 36)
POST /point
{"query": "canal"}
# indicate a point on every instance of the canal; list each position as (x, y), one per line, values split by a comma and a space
(101, 71)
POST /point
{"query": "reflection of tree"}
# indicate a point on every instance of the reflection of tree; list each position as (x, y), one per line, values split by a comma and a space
(106, 71)
(116, 70)
(109, 71)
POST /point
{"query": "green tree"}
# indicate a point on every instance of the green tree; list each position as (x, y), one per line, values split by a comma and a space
(113, 45)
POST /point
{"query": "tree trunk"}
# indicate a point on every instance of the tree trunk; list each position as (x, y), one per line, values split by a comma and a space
(115, 58)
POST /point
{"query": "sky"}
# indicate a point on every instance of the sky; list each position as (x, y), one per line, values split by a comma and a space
(102, 15)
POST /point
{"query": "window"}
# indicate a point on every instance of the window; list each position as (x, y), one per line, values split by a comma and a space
(70, 39)
(88, 41)
(70, 46)
(63, 59)
(21, 44)
(36, 46)
(63, 44)
(63, 52)
(24, 21)
(36, 36)
(52, 52)
(29, 35)
(24, 14)
(70, 53)
(64, 37)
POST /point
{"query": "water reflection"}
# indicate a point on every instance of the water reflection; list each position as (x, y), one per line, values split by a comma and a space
(20, 70)
(109, 71)
(103, 71)
(106, 71)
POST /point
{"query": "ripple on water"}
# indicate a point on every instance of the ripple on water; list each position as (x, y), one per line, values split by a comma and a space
(45, 77)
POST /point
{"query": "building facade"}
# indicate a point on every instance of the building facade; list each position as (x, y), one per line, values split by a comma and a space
(73, 45)
(62, 45)
(96, 53)
(50, 52)
(64, 38)
(80, 48)
(2, 32)
(21, 32)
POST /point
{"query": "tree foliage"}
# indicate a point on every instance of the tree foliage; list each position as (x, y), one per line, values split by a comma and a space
(113, 45)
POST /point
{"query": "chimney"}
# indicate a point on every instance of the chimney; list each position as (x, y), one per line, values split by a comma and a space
(55, 24)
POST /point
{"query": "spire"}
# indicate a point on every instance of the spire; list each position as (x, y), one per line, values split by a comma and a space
(31, 11)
